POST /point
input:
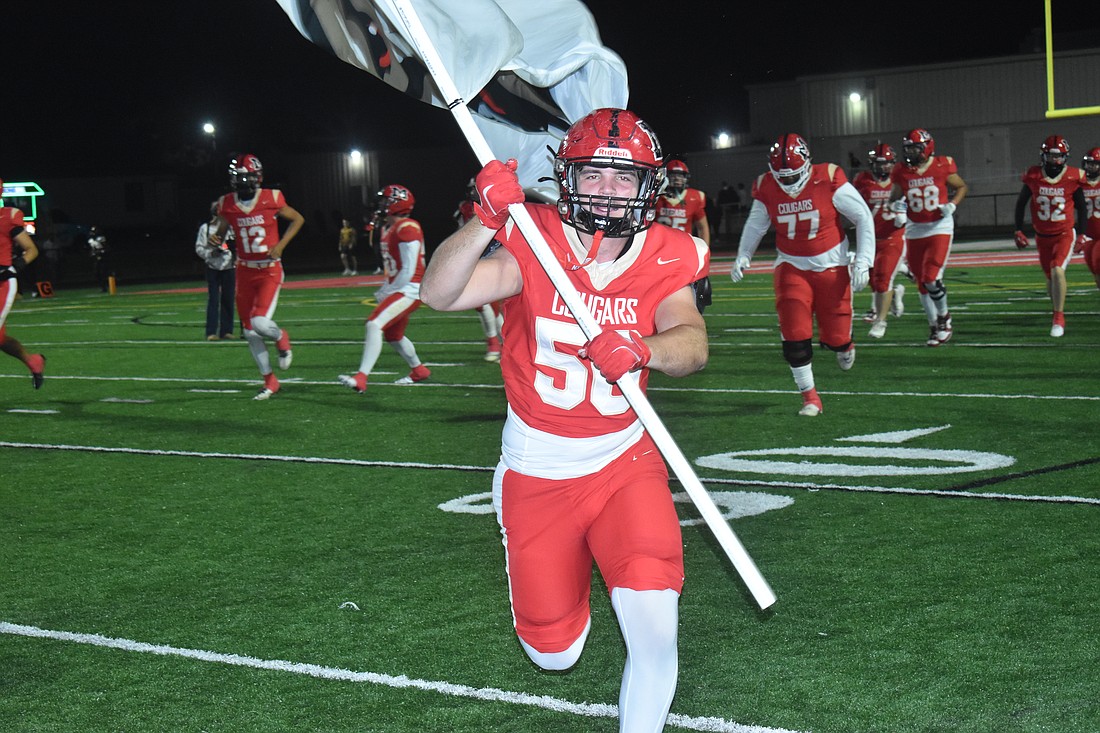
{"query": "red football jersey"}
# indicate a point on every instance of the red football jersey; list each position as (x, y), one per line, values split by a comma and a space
(925, 187)
(11, 223)
(255, 225)
(464, 212)
(683, 213)
(403, 230)
(548, 385)
(1052, 210)
(877, 195)
(1091, 189)
(808, 224)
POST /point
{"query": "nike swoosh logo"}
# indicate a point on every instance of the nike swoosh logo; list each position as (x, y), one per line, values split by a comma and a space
(667, 262)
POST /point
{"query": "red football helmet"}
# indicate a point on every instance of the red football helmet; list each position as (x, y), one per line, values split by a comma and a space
(790, 162)
(609, 138)
(246, 173)
(1091, 164)
(395, 200)
(881, 160)
(917, 147)
(677, 173)
(1054, 152)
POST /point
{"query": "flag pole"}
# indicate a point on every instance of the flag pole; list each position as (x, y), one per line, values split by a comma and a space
(631, 390)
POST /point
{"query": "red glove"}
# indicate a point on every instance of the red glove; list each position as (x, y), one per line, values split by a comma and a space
(1021, 240)
(615, 355)
(497, 187)
(1081, 243)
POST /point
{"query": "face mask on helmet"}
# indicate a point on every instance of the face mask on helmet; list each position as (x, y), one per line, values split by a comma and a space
(882, 161)
(790, 163)
(1091, 164)
(1054, 152)
(917, 147)
(246, 173)
(615, 139)
(678, 175)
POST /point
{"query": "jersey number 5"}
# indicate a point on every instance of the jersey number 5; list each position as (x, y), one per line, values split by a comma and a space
(563, 379)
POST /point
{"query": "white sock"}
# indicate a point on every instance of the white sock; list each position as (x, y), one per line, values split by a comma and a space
(803, 377)
(372, 347)
(405, 348)
(558, 661)
(649, 621)
(258, 348)
(488, 321)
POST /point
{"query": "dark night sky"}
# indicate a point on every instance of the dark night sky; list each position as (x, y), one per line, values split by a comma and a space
(124, 86)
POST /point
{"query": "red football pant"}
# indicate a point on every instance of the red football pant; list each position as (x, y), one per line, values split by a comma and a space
(928, 257)
(622, 517)
(392, 315)
(803, 295)
(888, 253)
(1055, 250)
(258, 292)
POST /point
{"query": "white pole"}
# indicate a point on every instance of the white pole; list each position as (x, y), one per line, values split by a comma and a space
(736, 552)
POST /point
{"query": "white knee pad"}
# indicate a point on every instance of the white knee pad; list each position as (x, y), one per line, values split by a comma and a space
(558, 661)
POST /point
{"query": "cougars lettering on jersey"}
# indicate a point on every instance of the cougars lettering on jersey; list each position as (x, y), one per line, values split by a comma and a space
(1091, 189)
(255, 225)
(682, 212)
(808, 224)
(405, 232)
(11, 224)
(877, 195)
(925, 187)
(549, 387)
(1052, 211)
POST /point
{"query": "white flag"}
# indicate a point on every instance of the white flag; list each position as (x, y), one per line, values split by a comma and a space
(527, 69)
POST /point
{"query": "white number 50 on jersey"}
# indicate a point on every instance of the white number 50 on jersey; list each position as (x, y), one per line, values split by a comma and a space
(574, 374)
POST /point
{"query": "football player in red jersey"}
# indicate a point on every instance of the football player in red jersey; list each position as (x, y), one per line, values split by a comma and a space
(579, 478)
(932, 189)
(402, 245)
(14, 236)
(805, 202)
(252, 213)
(488, 314)
(1090, 188)
(875, 187)
(1054, 190)
(685, 209)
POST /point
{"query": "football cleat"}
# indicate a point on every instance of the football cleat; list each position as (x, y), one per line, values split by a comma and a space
(845, 359)
(897, 308)
(265, 394)
(811, 409)
(943, 328)
(1057, 330)
(286, 356)
(878, 330)
(37, 363)
(870, 316)
(418, 374)
(357, 381)
(933, 338)
(492, 356)
(271, 387)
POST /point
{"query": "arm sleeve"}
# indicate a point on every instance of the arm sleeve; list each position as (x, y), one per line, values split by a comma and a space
(1081, 207)
(756, 226)
(849, 203)
(410, 256)
(1021, 206)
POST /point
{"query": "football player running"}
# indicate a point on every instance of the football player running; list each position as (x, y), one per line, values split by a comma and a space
(875, 187)
(805, 201)
(932, 189)
(685, 209)
(402, 246)
(579, 478)
(1090, 187)
(1054, 192)
(13, 237)
(252, 213)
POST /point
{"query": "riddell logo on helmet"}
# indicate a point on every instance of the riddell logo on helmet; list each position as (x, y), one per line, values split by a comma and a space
(612, 153)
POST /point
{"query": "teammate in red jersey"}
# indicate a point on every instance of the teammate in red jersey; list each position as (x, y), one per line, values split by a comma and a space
(1090, 188)
(875, 187)
(402, 245)
(14, 236)
(579, 479)
(805, 201)
(685, 209)
(488, 314)
(1054, 191)
(932, 189)
(252, 213)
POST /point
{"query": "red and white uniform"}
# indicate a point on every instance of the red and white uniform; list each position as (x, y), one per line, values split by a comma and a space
(1052, 213)
(1091, 189)
(811, 276)
(889, 238)
(402, 246)
(578, 478)
(928, 233)
(255, 227)
(11, 224)
(683, 211)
